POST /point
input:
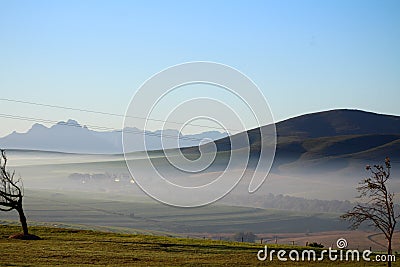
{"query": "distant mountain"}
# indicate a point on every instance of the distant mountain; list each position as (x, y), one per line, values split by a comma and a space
(72, 137)
(328, 136)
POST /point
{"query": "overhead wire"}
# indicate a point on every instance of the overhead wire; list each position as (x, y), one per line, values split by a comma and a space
(110, 113)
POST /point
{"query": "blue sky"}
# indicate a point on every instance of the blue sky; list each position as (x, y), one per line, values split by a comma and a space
(305, 56)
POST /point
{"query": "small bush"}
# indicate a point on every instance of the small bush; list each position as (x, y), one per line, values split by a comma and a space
(316, 245)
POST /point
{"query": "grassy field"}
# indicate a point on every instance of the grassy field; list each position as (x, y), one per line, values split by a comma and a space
(78, 248)
(97, 210)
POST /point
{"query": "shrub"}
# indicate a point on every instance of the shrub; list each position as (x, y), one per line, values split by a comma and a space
(316, 245)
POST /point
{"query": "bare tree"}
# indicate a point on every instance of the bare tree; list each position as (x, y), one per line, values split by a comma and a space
(377, 208)
(11, 192)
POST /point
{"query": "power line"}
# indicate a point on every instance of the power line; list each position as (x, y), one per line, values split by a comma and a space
(110, 114)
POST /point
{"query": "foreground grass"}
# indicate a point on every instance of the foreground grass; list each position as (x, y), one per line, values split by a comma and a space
(80, 247)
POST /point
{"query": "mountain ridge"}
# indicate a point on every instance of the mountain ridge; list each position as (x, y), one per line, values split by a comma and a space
(72, 137)
(323, 133)
(340, 122)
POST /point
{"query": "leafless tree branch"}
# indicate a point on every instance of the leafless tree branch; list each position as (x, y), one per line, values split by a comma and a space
(11, 192)
(377, 209)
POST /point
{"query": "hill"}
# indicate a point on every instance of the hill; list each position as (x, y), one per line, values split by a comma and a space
(332, 123)
(320, 155)
(338, 122)
(333, 137)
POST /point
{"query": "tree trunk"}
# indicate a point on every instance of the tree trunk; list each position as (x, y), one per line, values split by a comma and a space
(22, 219)
(389, 252)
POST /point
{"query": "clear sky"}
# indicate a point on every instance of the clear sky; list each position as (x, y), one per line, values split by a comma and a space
(305, 56)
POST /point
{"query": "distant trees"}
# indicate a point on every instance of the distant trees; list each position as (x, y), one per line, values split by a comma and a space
(11, 192)
(286, 202)
(377, 208)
